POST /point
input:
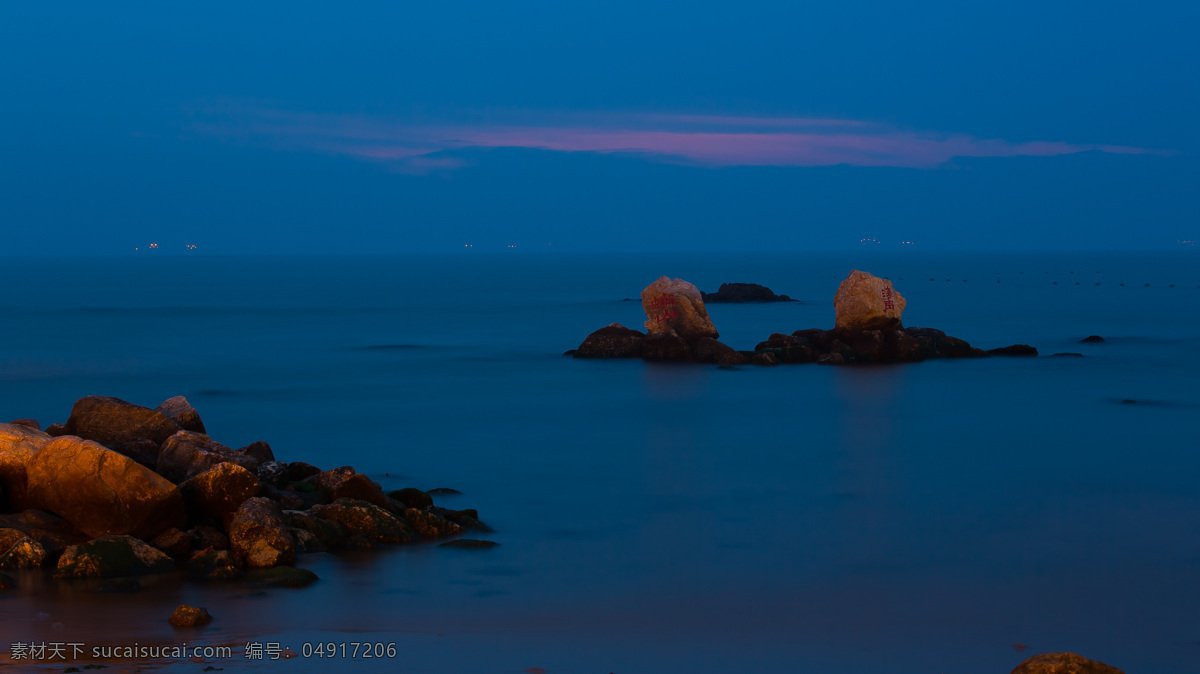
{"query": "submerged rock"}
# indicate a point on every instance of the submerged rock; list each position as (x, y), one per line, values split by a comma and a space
(675, 304)
(866, 302)
(1092, 339)
(1014, 350)
(111, 557)
(709, 350)
(1063, 663)
(100, 491)
(281, 576)
(743, 292)
(612, 341)
(469, 544)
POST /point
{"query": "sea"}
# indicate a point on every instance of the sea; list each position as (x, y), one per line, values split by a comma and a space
(944, 517)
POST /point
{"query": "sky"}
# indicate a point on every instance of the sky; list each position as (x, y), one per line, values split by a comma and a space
(297, 127)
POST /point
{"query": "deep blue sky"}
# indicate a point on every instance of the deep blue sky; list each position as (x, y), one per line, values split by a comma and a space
(598, 126)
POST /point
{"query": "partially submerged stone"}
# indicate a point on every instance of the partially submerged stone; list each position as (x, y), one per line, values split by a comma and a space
(429, 525)
(866, 302)
(25, 553)
(100, 491)
(258, 535)
(190, 616)
(675, 304)
(469, 544)
(111, 557)
(1063, 663)
(366, 520)
(709, 350)
(281, 576)
(743, 292)
(612, 341)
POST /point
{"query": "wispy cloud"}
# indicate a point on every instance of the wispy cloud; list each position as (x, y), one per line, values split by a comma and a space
(415, 145)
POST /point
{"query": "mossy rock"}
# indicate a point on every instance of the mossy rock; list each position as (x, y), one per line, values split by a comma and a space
(281, 576)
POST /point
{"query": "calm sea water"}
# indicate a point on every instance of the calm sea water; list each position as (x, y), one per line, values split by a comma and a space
(656, 518)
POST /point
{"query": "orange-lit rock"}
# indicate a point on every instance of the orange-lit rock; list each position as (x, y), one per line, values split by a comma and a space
(675, 304)
(100, 491)
(1063, 663)
(119, 425)
(179, 410)
(18, 444)
(866, 302)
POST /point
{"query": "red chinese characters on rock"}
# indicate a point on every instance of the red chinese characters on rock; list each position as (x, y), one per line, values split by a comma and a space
(664, 307)
(888, 304)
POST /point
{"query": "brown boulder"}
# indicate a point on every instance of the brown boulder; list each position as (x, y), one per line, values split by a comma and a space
(709, 350)
(119, 425)
(361, 487)
(32, 423)
(100, 491)
(260, 451)
(111, 557)
(866, 302)
(190, 616)
(187, 454)
(612, 341)
(175, 543)
(26, 553)
(258, 535)
(179, 410)
(666, 346)
(675, 304)
(1063, 663)
(18, 444)
(218, 491)
(366, 520)
(429, 525)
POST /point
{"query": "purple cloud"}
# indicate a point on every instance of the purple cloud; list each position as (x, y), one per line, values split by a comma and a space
(694, 139)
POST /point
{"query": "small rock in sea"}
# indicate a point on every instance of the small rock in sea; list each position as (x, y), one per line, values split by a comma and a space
(412, 497)
(281, 576)
(118, 586)
(676, 305)
(190, 616)
(743, 292)
(612, 341)
(1091, 339)
(866, 302)
(1066, 355)
(469, 544)
(1063, 663)
(443, 491)
(1014, 350)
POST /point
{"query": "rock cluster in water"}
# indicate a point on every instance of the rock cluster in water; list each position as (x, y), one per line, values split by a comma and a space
(868, 329)
(738, 293)
(121, 490)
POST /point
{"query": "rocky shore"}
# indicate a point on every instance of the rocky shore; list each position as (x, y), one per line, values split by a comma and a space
(121, 491)
(867, 329)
